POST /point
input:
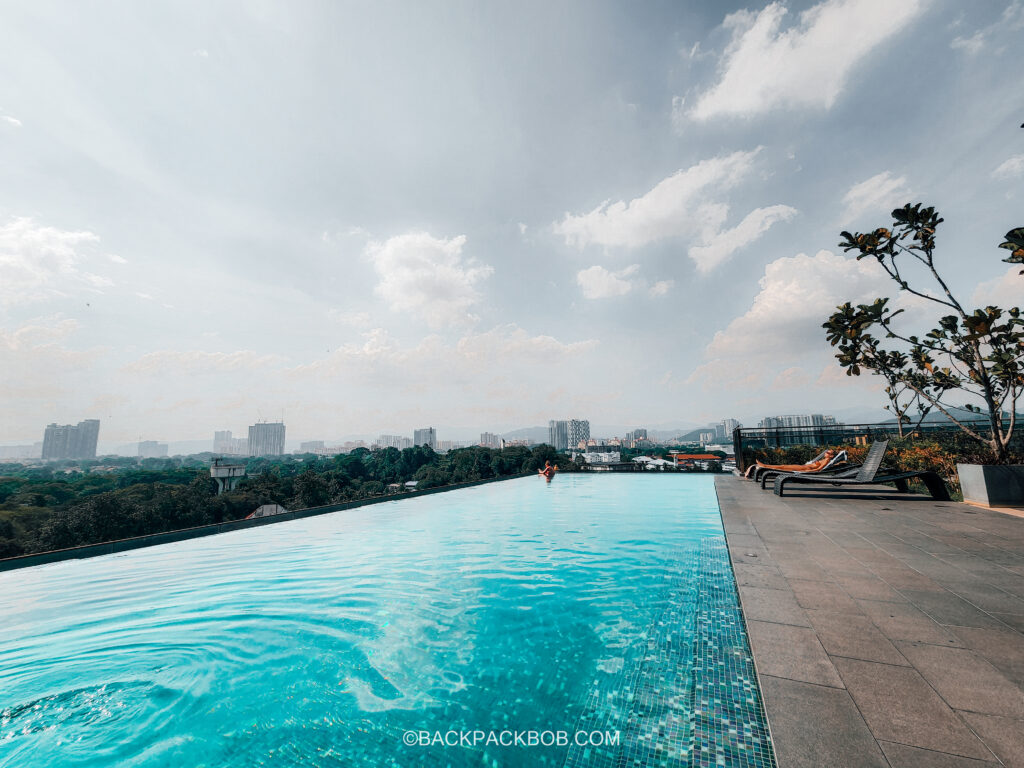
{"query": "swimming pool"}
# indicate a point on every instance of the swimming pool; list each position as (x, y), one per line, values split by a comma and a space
(592, 621)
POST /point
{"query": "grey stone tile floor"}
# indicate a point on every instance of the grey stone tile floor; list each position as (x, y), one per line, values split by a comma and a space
(886, 628)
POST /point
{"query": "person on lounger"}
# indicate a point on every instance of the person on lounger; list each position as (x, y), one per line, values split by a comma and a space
(811, 466)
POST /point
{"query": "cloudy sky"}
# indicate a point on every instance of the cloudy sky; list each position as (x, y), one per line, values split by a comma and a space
(373, 217)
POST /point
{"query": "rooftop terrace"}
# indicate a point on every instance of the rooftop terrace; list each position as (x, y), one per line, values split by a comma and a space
(886, 628)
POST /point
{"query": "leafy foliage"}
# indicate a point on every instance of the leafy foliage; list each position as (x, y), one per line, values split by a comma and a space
(938, 452)
(979, 352)
(1015, 244)
(59, 505)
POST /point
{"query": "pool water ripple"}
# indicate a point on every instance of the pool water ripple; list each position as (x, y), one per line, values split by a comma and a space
(321, 641)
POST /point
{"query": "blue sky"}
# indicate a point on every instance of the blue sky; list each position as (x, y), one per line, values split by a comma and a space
(373, 217)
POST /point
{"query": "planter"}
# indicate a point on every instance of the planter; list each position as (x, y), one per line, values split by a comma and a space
(992, 485)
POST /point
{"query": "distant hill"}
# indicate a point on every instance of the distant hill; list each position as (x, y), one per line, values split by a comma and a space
(937, 417)
(533, 434)
(540, 434)
(693, 436)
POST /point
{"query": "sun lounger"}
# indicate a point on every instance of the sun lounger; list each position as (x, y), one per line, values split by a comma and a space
(755, 471)
(868, 474)
(837, 464)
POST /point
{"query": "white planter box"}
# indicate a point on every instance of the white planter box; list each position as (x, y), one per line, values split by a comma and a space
(992, 485)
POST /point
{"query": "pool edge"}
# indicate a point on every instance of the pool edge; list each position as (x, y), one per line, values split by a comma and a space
(184, 534)
(746, 629)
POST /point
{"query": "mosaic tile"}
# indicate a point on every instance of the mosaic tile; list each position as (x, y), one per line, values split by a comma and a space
(686, 694)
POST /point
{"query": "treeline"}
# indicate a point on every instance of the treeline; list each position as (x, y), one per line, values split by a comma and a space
(71, 504)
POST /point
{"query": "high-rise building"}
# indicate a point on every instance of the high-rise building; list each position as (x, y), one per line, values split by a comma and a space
(558, 435)
(394, 441)
(783, 422)
(151, 449)
(490, 440)
(425, 436)
(313, 446)
(67, 441)
(266, 439)
(227, 445)
(578, 431)
(56, 440)
(222, 441)
(88, 437)
(443, 446)
(728, 427)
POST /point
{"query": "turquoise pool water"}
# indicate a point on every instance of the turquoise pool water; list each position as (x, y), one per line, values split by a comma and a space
(488, 626)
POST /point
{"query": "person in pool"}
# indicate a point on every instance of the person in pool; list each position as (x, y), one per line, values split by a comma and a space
(548, 471)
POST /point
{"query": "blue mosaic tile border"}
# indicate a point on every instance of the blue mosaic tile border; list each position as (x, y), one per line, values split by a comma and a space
(686, 695)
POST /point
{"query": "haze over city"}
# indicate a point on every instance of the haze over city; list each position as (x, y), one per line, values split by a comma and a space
(365, 219)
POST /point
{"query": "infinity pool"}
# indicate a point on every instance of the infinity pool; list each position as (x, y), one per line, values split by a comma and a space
(592, 621)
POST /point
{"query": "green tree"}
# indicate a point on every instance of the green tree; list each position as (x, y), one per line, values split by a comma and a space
(9, 546)
(980, 351)
(312, 489)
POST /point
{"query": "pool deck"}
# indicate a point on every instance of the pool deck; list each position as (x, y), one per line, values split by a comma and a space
(886, 628)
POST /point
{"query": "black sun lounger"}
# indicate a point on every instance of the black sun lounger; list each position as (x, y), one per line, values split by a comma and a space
(867, 474)
(837, 466)
(755, 471)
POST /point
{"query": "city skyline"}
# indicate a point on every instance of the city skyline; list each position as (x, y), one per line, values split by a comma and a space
(270, 440)
(478, 220)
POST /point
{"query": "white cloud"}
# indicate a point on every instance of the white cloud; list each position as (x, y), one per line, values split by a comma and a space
(38, 262)
(679, 116)
(600, 283)
(971, 45)
(428, 276)
(726, 242)
(201, 53)
(354, 319)
(695, 52)
(512, 343)
(688, 205)
(340, 237)
(1011, 20)
(783, 325)
(662, 287)
(491, 376)
(191, 362)
(676, 207)
(41, 332)
(507, 349)
(11, 120)
(36, 360)
(833, 375)
(117, 259)
(806, 66)
(793, 377)
(96, 281)
(1005, 291)
(1011, 168)
(881, 193)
